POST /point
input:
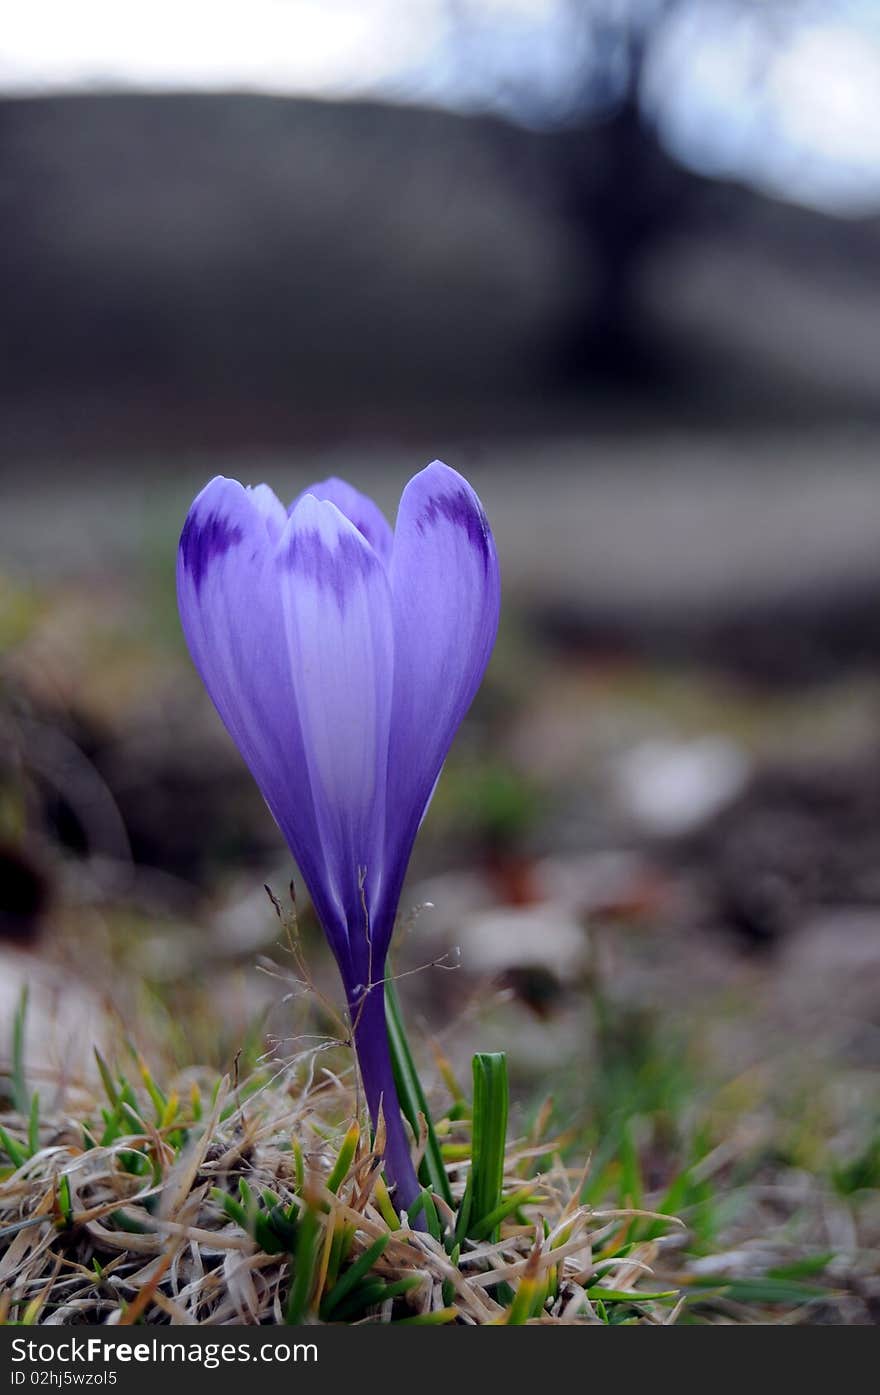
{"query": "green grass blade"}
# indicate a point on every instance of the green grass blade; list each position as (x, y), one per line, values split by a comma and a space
(383, 1201)
(802, 1268)
(481, 1230)
(344, 1159)
(304, 1266)
(339, 1245)
(373, 1292)
(620, 1295)
(16, 1153)
(299, 1167)
(352, 1276)
(463, 1219)
(65, 1205)
(439, 1318)
(34, 1125)
(523, 1303)
(489, 1136)
(19, 1084)
(760, 1290)
(424, 1204)
(632, 1190)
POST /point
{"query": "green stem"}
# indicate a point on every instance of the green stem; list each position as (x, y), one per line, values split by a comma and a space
(432, 1173)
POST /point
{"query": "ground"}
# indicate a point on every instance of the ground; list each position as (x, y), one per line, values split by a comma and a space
(652, 862)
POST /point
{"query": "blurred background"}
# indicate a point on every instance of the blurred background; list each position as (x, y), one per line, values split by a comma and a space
(618, 263)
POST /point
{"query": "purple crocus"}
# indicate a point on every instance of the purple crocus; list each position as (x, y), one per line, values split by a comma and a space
(342, 658)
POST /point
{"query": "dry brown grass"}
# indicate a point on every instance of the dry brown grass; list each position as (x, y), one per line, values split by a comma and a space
(135, 1230)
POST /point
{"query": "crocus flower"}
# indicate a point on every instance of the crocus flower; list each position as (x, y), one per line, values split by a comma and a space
(342, 658)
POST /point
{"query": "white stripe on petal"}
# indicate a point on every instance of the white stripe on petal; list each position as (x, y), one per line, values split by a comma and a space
(337, 614)
(359, 509)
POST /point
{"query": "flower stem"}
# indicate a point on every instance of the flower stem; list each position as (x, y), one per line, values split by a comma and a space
(412, 1096)
(374, 1059)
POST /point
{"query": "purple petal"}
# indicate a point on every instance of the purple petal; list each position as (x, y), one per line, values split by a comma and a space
(232, 617)
(337, 615)
(445, 596)
(358, 508)
(267, 503)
